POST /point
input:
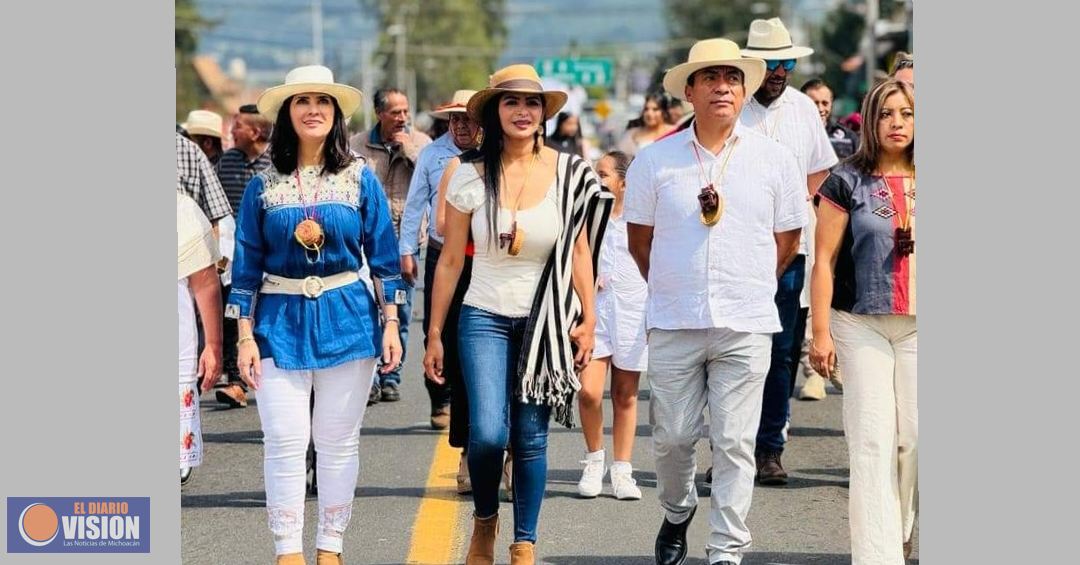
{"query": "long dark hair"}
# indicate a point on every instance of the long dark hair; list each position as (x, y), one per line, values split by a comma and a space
(661, 101)
(490, 154)
(565, 143)
(866, 158)
(285, 144)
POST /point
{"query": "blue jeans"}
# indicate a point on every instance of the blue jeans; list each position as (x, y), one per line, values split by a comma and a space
(489, 346)
(775, 402)
(405, 315)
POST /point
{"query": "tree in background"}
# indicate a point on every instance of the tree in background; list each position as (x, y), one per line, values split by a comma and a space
(190, 92)
(702, 19)
(450, 44)
(840, 39)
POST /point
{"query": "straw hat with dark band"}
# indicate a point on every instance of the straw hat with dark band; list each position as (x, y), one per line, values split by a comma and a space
(520, 79)
(714, 53)
(312, 78)
(457, 105)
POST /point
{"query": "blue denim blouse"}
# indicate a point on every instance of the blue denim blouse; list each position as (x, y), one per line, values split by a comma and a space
(342, 324)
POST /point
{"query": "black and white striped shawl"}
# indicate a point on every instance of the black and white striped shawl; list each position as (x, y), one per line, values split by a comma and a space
(546, 365)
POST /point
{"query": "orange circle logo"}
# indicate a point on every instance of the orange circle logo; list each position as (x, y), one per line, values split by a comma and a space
(38, 524)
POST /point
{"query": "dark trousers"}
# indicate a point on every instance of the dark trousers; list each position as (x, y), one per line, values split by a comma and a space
(452, 392)
(775, 402)
(230, 333)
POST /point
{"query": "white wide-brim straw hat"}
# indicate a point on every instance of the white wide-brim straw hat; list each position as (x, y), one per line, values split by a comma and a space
(769, 39)
(712, 53)
(203, 122)
(312, 78)
(521, 79)
(458, 105)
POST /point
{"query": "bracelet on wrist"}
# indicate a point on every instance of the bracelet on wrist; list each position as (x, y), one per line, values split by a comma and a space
(393, 319)
(244, 339)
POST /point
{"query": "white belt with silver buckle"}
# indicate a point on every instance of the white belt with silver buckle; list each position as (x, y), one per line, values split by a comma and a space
(311, 287)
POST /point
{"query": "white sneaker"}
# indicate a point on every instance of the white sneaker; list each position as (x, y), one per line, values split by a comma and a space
(623, 483)
(813, 388)
(592, 478)
(836, 380)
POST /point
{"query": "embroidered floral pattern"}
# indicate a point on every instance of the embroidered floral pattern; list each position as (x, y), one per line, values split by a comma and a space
(334, 519)
(285, 521)
(342, 188)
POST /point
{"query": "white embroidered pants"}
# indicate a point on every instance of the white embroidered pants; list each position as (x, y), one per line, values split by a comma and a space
(341, 394)
(877, 355)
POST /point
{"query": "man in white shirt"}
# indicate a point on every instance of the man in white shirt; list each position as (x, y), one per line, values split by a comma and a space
(791, 118)
(713, 214)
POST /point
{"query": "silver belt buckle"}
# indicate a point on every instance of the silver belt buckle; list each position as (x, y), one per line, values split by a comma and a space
(313, 287)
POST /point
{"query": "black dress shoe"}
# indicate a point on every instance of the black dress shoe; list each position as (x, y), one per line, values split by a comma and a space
(671, 541)
(390, 392)
(185, 475)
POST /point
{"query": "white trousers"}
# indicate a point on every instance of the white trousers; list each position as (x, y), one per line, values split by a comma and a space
(341, 394)
(689, 369)
(877, 356)
(191, 450)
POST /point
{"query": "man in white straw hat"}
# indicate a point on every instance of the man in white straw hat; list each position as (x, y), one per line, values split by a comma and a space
(713, 213)
(790, 117)
(423, 200)
(205, 127)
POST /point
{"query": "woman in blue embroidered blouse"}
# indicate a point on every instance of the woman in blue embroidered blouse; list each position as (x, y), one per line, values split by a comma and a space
(308, 223)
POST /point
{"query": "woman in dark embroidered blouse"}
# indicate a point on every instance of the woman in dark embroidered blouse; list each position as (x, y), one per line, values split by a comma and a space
(863, 301)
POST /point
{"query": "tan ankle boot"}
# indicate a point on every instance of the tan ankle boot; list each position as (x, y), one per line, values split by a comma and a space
(482, 544)
(521, 553)
(323, 557)
(291, 559)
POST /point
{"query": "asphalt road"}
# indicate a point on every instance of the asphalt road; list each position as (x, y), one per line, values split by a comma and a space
(224, 517)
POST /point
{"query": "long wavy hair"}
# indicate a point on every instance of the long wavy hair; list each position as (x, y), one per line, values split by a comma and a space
(285, 143)
(661, 101)
(490, 154)
(866, 158)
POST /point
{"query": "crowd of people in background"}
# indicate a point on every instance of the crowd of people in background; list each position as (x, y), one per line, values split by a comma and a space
(544, 271)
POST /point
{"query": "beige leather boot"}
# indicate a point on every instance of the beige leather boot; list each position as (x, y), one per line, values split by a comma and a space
(323, 557)
(482, 544)
(521, 553)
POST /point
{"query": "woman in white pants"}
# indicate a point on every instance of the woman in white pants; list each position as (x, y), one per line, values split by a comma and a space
(865, 271)
(620, 345)
(197, 286)
(310, 222)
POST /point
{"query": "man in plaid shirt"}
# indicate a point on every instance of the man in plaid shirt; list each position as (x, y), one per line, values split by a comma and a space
(196, 178)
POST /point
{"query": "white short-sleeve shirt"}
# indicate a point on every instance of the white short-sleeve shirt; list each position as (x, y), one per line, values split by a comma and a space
(504, 284)
(723, 276)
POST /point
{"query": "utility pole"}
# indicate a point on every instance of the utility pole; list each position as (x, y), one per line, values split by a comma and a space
(367, 79)
(317, 31)
(872, 14)
(399, 51)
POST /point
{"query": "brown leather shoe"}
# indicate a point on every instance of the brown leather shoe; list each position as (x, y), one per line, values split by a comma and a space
(769, 470)
(907, 549)
(232, 396)
(522, 553)
(291, 559)
(323, 557)
(482, 544)
(440, 419)
(464, 484)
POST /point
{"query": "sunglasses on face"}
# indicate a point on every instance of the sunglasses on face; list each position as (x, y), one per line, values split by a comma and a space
(788, 64)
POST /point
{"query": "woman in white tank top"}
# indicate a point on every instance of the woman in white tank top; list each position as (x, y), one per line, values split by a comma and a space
(517, 198)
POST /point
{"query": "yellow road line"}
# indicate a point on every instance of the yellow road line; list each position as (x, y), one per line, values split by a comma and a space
(435, 537)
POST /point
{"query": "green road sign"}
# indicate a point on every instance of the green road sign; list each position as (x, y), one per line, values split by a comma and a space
(586, 72)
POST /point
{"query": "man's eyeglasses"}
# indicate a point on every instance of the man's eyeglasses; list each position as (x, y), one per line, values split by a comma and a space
(789, 64)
